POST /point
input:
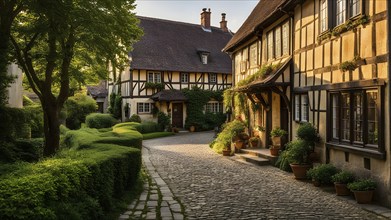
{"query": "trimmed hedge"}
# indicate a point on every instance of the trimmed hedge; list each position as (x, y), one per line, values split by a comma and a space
(157, 135)
(81, 182)
(98, 120)
(77, 108)
(75, 185)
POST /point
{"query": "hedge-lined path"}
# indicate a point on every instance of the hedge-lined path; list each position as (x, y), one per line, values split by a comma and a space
(157, 200)
(214, 187)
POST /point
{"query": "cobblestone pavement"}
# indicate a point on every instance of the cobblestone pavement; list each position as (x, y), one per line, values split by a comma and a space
(214, 187)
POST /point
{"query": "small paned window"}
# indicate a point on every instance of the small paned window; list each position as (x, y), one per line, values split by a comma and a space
(143, 107)
(340, 12)
(154, 77)
(323, 16)
(204, 58)
(184, 78)
(354, 7)
(285, 38)
(213, 78)
(277, 41)
(270, 46)
(355, 117)
(301, 108)
(253, 55)
(214, 107)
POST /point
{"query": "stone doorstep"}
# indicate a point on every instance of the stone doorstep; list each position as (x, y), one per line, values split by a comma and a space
(260, 152)
(253, 159)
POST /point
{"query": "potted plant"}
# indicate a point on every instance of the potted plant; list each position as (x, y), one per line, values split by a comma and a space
(321, 175)
(227, 151)
(254, 141)
(308, 133)
(363, 190)
(341, 180)
(240, 140)
(297, 155)
(276, 135)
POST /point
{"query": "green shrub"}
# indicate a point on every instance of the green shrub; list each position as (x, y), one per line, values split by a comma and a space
(344, 177)
(157, 135)
(308, 133)
(74, 185)
(115, 107)
(230, 130)
(283, 162)
(362, 185)
(277, 132)
(163, 120)
(322, 173)
(35, 119)
(12, 119)
(297, 152)
(77, 108)
(135, 118)
(148, 127)
(99, 120)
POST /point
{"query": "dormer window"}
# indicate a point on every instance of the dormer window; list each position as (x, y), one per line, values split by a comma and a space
(204, 58)
(204, 54)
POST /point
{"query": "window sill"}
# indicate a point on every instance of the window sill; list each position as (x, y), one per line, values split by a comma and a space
(357, 150)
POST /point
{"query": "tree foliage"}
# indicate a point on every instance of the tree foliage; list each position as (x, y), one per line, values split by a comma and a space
(56, 42)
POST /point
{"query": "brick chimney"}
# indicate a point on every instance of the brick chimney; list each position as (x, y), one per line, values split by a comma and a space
(223, 23)
(205, 18)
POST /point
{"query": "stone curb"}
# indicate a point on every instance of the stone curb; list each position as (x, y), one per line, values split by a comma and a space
(157, 200)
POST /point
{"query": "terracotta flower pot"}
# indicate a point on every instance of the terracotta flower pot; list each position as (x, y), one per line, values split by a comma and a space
(363, 197)
(239, 144)
(192, 128)
(274, 151)
(316, 183)
(300, 170)
(226, 152)
(341, 189)
(254, 143)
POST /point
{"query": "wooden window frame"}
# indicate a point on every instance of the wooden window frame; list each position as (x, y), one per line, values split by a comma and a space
(183, 77)
(270, 45)
(214, 107)
(327, 18)
(143, 108)
(154, 76)
(351, 145)
(287, 23)
(213, 76)
(298, 113)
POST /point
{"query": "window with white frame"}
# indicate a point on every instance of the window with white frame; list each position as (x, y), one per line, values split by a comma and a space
(144, 107)
(301, 108)
(212, 78)
(184, 77)
(204, 58)
(323, 16)
(155, 77)
(214, 107)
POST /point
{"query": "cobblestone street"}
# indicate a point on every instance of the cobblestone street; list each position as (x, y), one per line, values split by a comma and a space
(214, 187)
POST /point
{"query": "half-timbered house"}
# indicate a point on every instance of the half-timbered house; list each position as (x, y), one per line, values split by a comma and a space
(335, 74)
(170, 57)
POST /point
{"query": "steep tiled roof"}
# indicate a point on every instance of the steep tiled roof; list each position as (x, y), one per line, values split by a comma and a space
(175, 46)
(264, 10)
(98, 91)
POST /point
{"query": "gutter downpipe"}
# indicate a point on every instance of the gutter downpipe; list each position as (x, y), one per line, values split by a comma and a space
(389, 76)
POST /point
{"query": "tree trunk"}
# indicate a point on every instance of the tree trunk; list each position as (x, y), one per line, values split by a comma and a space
(51, 129)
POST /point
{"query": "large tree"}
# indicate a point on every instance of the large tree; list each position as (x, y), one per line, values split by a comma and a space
(9, 9)
(55, 41)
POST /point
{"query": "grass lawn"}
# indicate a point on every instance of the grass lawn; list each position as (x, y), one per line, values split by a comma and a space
(157, 135)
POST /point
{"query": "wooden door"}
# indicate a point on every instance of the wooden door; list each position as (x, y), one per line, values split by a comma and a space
(177, 115)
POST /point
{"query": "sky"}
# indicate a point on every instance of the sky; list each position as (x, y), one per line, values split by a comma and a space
(189, 10)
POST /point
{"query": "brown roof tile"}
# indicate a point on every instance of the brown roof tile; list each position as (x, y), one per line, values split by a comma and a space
(264, 10)
(175, 46)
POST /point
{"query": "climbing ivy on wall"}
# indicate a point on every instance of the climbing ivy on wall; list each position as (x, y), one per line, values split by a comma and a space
(197, 99)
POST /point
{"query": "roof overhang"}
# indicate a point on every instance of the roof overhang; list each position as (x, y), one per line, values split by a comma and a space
(268, 82)
(169, 96)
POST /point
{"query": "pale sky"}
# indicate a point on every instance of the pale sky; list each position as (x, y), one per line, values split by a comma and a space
(189, 10)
